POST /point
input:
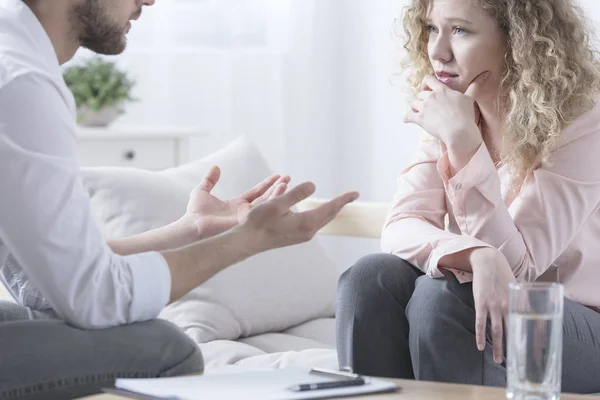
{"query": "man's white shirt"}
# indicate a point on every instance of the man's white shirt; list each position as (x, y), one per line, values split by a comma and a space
(53, 256)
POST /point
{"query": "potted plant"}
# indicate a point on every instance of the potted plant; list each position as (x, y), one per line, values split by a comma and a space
(100, 90)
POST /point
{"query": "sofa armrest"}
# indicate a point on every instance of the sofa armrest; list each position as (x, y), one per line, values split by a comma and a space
(361, 219)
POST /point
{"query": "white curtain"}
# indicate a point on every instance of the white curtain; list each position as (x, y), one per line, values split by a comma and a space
(307, 80)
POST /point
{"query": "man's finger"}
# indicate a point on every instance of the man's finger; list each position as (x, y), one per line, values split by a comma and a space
(210, 179)
(296, 195)
(279, 190)
(325, 213)
(476, 84)
(497, 336)
(260, 189)
(269, 193)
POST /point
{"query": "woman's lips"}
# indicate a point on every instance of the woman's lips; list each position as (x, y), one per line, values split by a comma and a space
(446, 77)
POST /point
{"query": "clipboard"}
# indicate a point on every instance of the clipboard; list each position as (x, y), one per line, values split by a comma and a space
(248, 385)
(133, 395)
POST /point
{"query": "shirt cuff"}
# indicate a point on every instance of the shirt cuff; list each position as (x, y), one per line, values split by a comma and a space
(474, 174)
(151, 281)
(462, 242)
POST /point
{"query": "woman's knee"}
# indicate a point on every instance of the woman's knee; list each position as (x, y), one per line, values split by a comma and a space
(436, 303)
(374, 277)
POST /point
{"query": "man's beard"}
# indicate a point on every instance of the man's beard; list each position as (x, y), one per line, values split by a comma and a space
(95, 30)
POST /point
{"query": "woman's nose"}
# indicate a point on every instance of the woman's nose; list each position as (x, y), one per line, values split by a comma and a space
(440, 49)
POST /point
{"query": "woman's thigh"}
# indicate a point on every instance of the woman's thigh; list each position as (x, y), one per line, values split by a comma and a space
(581, 349)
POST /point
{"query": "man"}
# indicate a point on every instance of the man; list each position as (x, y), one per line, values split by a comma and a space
(86, 307)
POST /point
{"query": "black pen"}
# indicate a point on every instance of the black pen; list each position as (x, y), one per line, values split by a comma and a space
(327, 385)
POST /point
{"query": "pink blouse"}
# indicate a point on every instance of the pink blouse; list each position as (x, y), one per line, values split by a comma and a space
(549, 231)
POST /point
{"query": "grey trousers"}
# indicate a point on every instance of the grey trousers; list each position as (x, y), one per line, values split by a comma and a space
(393, 321)
(44, 358)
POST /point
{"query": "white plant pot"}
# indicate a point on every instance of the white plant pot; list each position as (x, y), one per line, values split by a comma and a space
(104, 117)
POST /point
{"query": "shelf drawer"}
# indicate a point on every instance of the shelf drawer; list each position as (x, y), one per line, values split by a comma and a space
(153, 154)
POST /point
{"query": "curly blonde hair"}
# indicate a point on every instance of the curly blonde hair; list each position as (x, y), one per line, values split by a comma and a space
(551, 71)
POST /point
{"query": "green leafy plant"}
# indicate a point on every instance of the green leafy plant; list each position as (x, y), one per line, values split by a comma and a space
(98, 83)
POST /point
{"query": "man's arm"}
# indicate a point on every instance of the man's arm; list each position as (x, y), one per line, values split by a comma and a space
(46, 221)
(270, 225)
(177, 234)
(206, 215)
(47, 224)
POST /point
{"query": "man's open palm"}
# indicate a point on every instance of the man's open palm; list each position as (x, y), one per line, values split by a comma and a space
(211, 215)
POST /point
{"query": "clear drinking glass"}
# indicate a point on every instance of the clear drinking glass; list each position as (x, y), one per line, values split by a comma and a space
(534, 358)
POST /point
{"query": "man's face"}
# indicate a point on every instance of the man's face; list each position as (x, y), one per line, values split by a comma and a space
(102, 25)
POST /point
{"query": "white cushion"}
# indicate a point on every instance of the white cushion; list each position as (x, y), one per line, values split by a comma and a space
(311, 344)
(270, 292)
(308, 358)
(278, 342)
(4, 295)
(223, 353)
(321, 330)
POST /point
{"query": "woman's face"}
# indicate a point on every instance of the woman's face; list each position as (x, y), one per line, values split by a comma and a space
(464, 42)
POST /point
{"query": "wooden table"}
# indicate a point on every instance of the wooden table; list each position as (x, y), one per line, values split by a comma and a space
(418, 390)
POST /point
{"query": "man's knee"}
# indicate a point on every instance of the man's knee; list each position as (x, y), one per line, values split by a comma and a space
(73, 363)
(169, 348)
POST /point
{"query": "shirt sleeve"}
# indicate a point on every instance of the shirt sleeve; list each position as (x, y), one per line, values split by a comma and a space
(544, 217)
(46, 220)
(415, 226)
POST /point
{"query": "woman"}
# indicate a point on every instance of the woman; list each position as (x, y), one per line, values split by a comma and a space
(505, 91)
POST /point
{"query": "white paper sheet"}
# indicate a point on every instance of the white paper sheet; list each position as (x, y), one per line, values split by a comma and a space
(253, 385)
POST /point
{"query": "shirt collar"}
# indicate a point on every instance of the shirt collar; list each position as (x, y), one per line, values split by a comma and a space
(33, 33)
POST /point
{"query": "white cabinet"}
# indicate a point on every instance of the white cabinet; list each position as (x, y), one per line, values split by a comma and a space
(153, 148)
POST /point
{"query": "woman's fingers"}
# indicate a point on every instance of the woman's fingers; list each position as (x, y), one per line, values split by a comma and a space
(497, 327)
(481, 314)
(424, 96)
(497, 330)
(416, 106)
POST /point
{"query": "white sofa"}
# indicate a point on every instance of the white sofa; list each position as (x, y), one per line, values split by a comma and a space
(311, 344)
(274, 310)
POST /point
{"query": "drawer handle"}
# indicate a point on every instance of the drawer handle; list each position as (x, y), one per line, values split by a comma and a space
(129, 155)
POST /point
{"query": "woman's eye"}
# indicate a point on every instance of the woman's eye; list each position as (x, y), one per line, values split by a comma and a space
(459, 31)
(431, 28)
